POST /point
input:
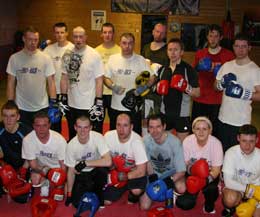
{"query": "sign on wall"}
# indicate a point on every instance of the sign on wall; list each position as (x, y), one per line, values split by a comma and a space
(98, 17)
(189, 7)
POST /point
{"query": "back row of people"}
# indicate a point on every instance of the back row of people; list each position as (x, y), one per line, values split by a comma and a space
(79, 74)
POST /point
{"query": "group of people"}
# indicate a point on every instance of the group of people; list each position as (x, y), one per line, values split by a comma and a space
(207, 103)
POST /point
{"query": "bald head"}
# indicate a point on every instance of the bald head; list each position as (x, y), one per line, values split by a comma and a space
(79, 37)
(159, 32)
(79, 29)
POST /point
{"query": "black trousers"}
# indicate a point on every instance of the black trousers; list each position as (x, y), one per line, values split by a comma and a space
(72, 116)
(93, 181)
(227, 134)
(27, 117)
(188, 201)
(208, 110)
(135, 117)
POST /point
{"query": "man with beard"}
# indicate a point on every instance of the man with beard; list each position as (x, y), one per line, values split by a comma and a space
(156, 51)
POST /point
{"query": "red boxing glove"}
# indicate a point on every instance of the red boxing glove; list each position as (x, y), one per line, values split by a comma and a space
(178, 82)
(200, 168)
(162, 87)
(22, 172)
(58, 193)
(160, 212)
(7, 174)
(117, 179)
(42, 206)
(57, 176)
(195, 184)
(18, 188)
(122, 164)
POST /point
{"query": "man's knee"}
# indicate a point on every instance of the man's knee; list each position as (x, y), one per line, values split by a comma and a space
(231, 198)
(145, 202)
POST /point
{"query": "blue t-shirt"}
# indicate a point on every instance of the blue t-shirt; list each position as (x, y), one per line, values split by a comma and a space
(11, 144)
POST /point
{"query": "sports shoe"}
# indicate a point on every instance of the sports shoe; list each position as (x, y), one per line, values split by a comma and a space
(211, 212)
(228, 212)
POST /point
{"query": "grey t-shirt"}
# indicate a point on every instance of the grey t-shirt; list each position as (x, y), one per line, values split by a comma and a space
(166, 156)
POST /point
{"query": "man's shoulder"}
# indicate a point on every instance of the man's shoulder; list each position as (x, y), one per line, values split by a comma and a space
(232, 151)
(95, 135)
(25, 129)
(202, 52)
(110, 133)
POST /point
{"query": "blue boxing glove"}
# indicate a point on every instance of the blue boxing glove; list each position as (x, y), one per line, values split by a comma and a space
(216, 69)
(235, 90)
(96, 112)
(53, 111)
(225, 80)
(157, 190)
(44, 44)
(204, 64)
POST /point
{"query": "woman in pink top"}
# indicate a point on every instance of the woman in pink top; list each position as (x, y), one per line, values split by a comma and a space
(202, 145)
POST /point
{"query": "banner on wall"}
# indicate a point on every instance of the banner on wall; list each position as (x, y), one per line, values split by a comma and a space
(188, 7)
(98, 17)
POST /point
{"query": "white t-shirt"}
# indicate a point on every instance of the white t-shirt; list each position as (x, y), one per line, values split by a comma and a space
(243, 168)
(56, 52)
(212, 151)
(82, 67)
(233, 111)
(31, 72)
(92, 150)
(47, 154)
(123, 71)
(133, 149)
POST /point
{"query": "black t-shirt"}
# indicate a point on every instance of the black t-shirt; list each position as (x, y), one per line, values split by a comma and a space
(11, 144)
(177, 103)
(156, 56)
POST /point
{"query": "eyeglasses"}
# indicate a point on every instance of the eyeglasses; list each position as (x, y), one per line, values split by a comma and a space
(241, 46)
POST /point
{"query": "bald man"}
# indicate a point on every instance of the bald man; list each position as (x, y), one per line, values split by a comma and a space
(82, 80)
(156, 51)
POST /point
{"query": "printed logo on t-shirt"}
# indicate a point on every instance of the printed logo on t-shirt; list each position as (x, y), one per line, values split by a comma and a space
(24, 70)
(160, 163)
(72, 62)
(46, 154)
(86, 156)
(124, 71)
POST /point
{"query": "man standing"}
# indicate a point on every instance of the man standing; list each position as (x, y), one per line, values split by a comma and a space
(43, 148)
(165, 154)
(28, 70)
(129, 159)
(121, 72)
(241, 170)
(82, 80)
(86, 155)
(106, 49)
(56, 51)
(207, 62)
(156, 51)
(179, 84)
(239, 79)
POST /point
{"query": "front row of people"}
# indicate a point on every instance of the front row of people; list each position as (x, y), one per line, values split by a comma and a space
(121, 160)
